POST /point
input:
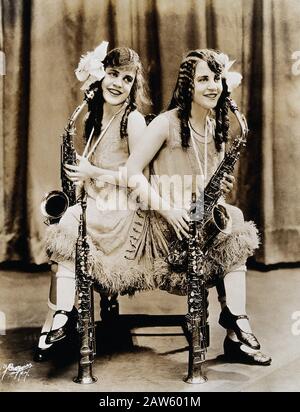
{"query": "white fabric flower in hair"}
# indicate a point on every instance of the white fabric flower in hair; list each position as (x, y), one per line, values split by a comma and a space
(233, 79)
(90, 67)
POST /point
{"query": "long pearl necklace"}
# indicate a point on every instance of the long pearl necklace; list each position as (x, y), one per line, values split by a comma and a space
(192, 131)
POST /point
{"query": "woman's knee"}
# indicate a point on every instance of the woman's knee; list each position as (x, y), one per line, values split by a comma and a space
(239, 268)
(66, 269)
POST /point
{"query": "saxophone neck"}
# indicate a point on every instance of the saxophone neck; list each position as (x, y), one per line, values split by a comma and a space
(240, 118)
(74, 116)
(72, 120)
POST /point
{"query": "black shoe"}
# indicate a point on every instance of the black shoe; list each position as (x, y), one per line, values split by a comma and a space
(56, 335)
(234, 354)
(229, 321)
(43, 355)
(109, 307)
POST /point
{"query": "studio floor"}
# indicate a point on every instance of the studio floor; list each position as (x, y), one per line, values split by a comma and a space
(146, 349)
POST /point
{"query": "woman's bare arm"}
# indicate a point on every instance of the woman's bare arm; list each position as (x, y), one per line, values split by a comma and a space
(154, 137)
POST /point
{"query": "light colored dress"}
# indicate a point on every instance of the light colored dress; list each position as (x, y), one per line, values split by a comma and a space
(128, 247)
(119, 249)
(229, 252)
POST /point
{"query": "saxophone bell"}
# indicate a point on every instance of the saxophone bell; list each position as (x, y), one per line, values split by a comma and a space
(53, 206)
(222, 219)
(55, 203)
(219, 222)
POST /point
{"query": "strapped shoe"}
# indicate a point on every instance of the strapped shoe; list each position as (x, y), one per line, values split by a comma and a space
(109, 307)
(43, 354)
(56, 335)
(229, 321)
(234, 354)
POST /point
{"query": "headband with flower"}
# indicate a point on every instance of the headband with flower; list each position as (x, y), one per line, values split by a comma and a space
(90, 67)
(233, 79)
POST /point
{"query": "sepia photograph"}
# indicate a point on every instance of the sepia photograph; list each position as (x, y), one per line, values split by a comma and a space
(149, 198)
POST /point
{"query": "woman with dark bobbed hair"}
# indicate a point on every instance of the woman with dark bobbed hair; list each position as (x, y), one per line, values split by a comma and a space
(113, 125)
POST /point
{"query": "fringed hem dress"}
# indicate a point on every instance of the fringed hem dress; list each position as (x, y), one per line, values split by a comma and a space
(120, 254)
(228, 252)
(128, 246)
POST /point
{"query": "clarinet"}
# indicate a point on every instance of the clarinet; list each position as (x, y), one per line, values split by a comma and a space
(84, 284)
(196, 319)
(203, 229)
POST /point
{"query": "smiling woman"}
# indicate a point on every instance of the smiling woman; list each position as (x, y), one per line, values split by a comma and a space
(113, 126)
(189, 139)
(117, 84)
(208, 87)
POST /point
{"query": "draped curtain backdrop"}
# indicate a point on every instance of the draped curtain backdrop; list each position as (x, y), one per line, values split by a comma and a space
(43, 41)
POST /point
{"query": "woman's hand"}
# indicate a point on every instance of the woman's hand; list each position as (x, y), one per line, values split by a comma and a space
(227, 183)
(82, 172)
(178, 219)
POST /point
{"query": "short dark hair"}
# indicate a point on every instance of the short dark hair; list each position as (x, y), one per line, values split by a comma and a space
(118, 57)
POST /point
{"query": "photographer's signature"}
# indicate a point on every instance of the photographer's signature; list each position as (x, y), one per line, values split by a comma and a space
(16, 372)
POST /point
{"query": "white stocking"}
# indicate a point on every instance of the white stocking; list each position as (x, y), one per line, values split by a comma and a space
(65, 290)
(47, 325)
(235, 288)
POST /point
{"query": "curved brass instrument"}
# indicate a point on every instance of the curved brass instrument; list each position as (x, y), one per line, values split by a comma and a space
(212, 218)
(56, 202)
(54, 205)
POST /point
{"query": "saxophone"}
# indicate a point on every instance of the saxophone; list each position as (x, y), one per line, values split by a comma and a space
(211, 218)
(189, 255)
(55, 203)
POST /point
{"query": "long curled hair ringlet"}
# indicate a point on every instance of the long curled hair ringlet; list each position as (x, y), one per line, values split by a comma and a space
(122, 57)
(184, 91)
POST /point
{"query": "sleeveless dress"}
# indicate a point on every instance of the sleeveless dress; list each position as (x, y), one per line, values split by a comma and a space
(128, 246)
(120, 253)
(229, 252)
